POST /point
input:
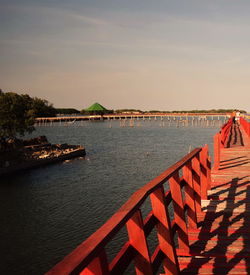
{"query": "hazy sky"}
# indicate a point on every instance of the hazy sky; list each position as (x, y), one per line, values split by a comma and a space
(146, 54)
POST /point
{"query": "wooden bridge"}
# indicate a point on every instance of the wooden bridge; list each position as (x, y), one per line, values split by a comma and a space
(200, 216)
(66, 118)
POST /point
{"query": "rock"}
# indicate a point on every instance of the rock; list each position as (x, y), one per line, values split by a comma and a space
(37, 152)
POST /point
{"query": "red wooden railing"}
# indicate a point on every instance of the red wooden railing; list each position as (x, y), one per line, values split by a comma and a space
(182, 186)
(246, 125)
(225, 130)
(220, 141)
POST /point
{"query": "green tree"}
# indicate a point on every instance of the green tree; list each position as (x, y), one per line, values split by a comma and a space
(16, 117)
(67, 111)
(42, 108)
(18, 113)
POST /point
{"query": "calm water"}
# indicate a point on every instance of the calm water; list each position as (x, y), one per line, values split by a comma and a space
(47, 212)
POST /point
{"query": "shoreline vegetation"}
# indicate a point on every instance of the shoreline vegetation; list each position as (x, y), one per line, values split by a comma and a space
(72, 111)
(17, 117)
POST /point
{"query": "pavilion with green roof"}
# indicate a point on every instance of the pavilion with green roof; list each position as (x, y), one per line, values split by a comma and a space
(96, 109)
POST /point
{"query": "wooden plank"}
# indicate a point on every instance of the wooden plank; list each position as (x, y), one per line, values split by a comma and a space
(122, 260)
(149, 223)
(157, 259)
(99, 266)
(196, 182)
(179, 216)
(164, 234)
(138, 241)
(189, 195)
(204, 172)
(217, 141)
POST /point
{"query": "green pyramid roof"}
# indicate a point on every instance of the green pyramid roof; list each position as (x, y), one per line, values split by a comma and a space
(96, 107)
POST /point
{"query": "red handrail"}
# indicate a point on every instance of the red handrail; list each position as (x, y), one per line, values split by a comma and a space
(225, 130)
(191, 173)
(246, 125)
(220, 141)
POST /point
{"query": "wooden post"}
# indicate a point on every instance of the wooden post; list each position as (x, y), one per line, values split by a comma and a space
(196, 182)
(99, 266)
(164, 234)
(217, 151)
(222, 135)
(138, 240)
(203, 166)
(189, 196)
(174, 183)
(208, 173)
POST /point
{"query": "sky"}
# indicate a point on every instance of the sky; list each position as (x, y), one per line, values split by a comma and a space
(141, 54)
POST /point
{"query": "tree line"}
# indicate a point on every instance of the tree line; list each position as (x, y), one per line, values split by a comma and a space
(72, 111)
(219, 111)
(18, 113)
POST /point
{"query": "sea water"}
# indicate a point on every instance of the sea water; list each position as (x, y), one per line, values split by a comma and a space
(46, 212)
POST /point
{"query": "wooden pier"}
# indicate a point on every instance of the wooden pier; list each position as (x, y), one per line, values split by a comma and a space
(200, 215)
(221, 245)
(130, 116)
(136, 120)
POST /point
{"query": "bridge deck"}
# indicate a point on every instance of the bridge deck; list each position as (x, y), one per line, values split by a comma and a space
(221, 245)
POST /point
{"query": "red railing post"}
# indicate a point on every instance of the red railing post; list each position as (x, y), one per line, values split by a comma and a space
(224, 133)
(217, 141)
(208, 173)
(189, 195)
(99, 266)
(196, 182)
(164, 234)
(222, 138)
(179, 217)
(204, 172)
(138, 240)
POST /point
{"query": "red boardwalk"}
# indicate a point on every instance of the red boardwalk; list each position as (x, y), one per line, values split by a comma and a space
(200, 218)
(222, 245)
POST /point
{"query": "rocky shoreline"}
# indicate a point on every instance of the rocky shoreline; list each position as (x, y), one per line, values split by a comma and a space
(35, 153)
